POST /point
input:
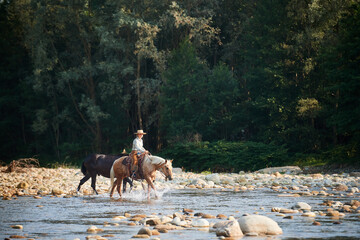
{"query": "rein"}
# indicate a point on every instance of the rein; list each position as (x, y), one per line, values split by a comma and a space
(161, 171)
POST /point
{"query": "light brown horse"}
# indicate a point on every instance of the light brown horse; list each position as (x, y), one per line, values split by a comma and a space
(149, 166)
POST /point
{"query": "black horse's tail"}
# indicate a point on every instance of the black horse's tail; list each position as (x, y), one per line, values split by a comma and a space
(83, 168)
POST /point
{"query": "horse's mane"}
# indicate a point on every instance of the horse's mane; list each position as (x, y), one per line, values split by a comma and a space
(156, 160)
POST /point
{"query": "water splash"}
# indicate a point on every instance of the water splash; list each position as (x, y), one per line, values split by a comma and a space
(141, 195)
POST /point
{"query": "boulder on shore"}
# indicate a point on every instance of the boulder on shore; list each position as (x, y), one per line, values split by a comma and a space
(230, 228)
(261, 225)
(302, 206)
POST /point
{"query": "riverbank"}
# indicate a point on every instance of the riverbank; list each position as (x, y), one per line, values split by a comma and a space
(64, 182)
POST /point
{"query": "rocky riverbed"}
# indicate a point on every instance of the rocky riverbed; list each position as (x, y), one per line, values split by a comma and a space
(336, 195)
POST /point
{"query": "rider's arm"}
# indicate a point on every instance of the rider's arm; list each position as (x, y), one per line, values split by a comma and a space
(137, 145)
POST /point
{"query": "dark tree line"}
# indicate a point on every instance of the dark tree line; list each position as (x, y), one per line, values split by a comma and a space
(81, 76)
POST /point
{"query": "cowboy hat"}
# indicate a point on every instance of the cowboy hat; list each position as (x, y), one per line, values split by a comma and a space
(140, 132)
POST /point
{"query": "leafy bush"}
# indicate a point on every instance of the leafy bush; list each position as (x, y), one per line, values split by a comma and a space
(224, 156)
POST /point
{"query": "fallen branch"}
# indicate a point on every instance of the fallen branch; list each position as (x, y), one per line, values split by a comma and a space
(21, 163)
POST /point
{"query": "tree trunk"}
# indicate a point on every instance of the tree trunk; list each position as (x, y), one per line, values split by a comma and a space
(138, 92)
(335, 141)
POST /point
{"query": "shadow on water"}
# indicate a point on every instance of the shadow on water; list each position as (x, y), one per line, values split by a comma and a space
(69, 218)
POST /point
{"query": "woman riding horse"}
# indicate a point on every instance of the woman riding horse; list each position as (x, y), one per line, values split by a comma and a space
(138, 151)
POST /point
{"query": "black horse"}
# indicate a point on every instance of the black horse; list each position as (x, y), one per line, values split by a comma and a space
(98, 164)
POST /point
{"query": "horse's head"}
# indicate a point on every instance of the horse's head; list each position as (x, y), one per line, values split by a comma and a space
(163, 165)
(166, 169)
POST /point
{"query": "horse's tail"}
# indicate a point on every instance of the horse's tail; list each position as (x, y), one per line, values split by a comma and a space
(83, 168)
(112, 176)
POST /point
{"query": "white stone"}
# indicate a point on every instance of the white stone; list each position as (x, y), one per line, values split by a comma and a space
(229, 228)
(177, 221)
(213, 177)
(302, 206)
(308, 214)
(200, 223)
(198, 181)
(259, 224)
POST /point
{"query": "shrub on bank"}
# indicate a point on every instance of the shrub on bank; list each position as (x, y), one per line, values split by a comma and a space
(222, 156)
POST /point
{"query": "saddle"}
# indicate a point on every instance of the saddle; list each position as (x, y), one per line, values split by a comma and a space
(133, 162)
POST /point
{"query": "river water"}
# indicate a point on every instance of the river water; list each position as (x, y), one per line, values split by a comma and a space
(69, 218)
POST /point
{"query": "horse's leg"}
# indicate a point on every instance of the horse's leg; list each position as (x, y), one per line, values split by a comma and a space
(143, 186)
(119, 181)
(124, 185)
(150, 184)
(127, 180)
(149, 189)
(83, 180)
(93, 182)
(112, 189)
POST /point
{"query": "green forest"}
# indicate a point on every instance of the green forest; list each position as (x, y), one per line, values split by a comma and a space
(218, 85)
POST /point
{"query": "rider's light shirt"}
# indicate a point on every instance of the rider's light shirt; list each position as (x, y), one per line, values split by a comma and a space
(138, 145)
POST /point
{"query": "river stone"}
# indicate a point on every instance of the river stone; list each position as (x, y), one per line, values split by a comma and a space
(56, 191)
(94, 229)
(199, 214)
(333, 214)
(153, 221)
(165, 219)
(179, 215)
(161, 228)
(178, 222)
(213, 177)
(355, 204)
(229, 228)
(17, 226)
(308, 214)
(275, 209)
(155, 232)
(208, 216)
(285, 210)
(260, 224)
(23, 185)
(17, 236)
(141, 236)
(251, 234)
(136, 219)
(187, 210)
(302, 206)
(221, 216)
(341, 187)
(241, 180)
(118, 218)
(200, 223)
(96, 237)
(317, 176)
(145, 231)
